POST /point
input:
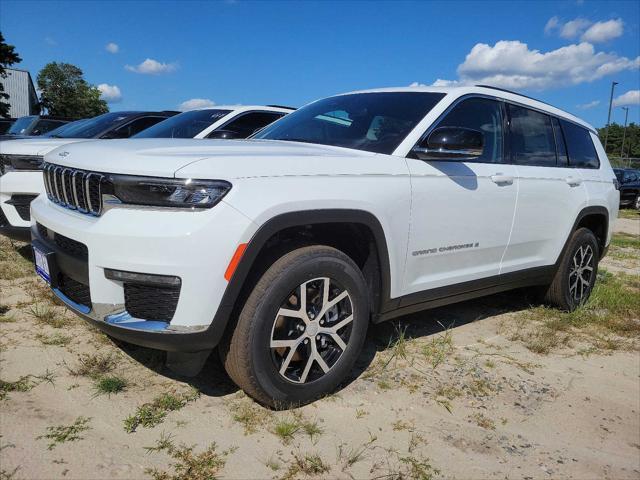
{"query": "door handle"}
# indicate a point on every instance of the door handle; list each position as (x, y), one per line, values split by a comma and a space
(502, 179)
(573, 181)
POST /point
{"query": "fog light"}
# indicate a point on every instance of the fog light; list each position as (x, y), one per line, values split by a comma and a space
(142, 278)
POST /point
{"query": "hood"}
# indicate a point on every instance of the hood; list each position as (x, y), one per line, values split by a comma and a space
(215, 158)
(35, 146)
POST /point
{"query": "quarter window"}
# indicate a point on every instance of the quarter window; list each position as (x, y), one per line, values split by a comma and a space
(561, 147)
(485, 116)
(582, 152)
(532, 139)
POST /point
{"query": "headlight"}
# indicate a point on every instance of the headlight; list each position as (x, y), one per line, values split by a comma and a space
(166, 192)
(9, 163)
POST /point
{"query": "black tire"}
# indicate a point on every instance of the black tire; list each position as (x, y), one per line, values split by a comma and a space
(248, 352)
(567, 291)
(636, 202)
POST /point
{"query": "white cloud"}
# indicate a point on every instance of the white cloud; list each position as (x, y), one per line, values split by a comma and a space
(603, 31)
(587, 106)
(50, 41)
(152, 67)
(552, 25)
(632, 97)
(511, 64)
(112, 47)
(110, 93)
(195, 103)
(574, 28)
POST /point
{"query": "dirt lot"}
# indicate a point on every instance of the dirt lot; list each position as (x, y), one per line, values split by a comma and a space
(493, 388)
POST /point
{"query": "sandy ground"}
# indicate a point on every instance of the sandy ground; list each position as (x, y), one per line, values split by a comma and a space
(459, 402)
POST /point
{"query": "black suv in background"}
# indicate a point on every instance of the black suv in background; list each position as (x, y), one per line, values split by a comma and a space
(629, 180)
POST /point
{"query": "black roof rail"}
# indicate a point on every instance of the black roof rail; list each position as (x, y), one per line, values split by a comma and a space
(514, 93)
(282, 106)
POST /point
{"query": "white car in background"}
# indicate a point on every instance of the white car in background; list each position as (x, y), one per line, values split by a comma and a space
(21, 160)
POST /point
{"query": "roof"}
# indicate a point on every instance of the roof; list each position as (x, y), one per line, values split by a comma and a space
(489, 91)
(268, 108)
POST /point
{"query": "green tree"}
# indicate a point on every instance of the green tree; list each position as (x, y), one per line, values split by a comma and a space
(614, 141)
(65, 93)
(8, 57)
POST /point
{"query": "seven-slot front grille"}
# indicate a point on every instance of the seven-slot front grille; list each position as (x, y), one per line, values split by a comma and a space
(72, 188)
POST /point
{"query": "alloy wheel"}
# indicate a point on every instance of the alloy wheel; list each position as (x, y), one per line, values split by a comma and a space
(581, 273)
(311, 330)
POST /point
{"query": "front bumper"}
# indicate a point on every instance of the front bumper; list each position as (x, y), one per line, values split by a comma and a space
(17, 190)
(193, 246)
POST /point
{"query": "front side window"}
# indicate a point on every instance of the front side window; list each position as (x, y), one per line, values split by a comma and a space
(94, 126)
(21, 125)
(185, 125)
(249, 123)
(485, 116)
(130, 129)
(45, 126)
(582, 152)
(532, 139)
(373, 122)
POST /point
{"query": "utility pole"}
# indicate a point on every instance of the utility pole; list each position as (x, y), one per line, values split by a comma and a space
(624, 131)
(606, 135)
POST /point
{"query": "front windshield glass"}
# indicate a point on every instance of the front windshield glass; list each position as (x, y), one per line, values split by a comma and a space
(374, 122)
(61, 129)
(185, 125)
(94, 126)
(21, 125)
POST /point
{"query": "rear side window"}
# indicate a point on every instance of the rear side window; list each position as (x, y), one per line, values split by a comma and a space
(582, 152)
(532, 139)
(134, 127)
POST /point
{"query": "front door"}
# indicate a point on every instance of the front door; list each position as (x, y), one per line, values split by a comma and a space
(462, 211)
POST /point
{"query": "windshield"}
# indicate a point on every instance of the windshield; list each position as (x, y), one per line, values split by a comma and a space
(21, 125)
(185, 125)
(56, 132)
(94, 126)
(374, 122)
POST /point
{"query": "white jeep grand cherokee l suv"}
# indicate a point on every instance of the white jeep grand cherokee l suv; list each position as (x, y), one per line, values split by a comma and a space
(360, 207)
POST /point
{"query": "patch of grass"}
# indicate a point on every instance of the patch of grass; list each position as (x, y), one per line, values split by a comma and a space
(187, 464)
(94, 365)
(23, 384)
(361, 413)
(309, 464)
(349, 456)
(400, 425)
(7, 319)
(12, 264)
(450, 392)
(286, 429)
(66, 433)
(153, 413)
(248, 414)
(110, 384)
(628, 213)
(47, 315)
(438, 349)
(57, 339)
(483, 421)
(608, 321)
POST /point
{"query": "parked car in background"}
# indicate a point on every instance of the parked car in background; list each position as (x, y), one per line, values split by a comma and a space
(32, 126)
(21, 160)
(629, 180)
(361, 207)
(5, 124)
(228, 122)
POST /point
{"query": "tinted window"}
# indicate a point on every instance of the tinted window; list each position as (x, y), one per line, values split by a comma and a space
(249, 123)
(532, 140)
(44, 126)
(375, 122)
(94, 126)
(21, 125)
(131, 128)
(482, 115)
(561, 147)
(185, 125)
(582, 152)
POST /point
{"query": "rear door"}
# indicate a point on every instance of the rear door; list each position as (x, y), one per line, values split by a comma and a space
(462, 211)
(551, 192)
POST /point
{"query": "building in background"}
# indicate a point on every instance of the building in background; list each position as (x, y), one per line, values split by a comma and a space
(22, 94)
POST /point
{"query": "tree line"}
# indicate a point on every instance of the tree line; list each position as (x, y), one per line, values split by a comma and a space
(614, 141)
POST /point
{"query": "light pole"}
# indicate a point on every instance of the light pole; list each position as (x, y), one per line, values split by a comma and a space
(606, 135)
(624, 131)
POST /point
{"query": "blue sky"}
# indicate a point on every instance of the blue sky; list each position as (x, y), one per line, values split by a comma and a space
(563, 52)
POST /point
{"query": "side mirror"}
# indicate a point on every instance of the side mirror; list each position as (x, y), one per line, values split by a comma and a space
(451, 143)
(224, 134)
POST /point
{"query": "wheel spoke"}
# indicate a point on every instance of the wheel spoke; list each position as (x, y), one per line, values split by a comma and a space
(287, 360)
(287, 312)
(283, 343)
(307, 368)
(323, 365)
(340, 324)
(336, 338)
